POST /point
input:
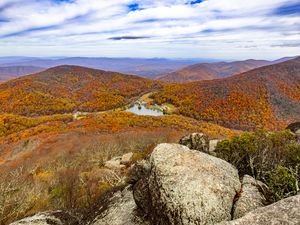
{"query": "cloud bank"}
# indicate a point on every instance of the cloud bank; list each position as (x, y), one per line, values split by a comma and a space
(229, 29)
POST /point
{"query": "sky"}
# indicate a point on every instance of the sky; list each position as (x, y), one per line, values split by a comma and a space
(219, 29)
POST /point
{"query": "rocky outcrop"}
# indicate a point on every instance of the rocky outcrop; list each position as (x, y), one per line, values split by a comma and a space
(179, 186)
(50, 218)
(118, 209)
(196, 141)
(186, 187)
(286, 211)
(250, 198)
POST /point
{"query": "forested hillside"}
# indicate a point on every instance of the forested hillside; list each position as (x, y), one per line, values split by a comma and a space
(267, 97)
(68, 88)
(210, 71)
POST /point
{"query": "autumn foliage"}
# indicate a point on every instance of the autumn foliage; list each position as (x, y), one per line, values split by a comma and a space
(266, 97)
(10, 123)
(54, 163)
(70, 88)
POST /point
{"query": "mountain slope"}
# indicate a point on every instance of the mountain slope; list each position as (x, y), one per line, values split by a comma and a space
(267, 97)
(67, 88)
(210, 71)
(11, 72)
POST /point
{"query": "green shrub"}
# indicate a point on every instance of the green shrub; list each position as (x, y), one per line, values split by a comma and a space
(273, 158)
(282, 182)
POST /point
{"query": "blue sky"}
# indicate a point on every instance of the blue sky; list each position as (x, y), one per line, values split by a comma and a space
(224, 29)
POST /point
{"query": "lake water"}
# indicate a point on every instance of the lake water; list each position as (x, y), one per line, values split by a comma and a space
(144, 111)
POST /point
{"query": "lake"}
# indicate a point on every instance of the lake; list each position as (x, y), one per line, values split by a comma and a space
(143, 111)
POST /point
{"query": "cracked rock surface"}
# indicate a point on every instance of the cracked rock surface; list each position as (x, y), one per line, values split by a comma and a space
(250, 197)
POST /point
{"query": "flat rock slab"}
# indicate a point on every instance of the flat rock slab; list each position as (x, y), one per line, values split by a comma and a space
(284, 212)
(50, 218)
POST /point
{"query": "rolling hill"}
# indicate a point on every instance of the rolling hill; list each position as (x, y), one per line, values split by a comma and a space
(266, 97)
(210, 71)
(11, 72)
(68, 88)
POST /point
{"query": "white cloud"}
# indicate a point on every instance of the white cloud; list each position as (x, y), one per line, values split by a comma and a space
(173, 28)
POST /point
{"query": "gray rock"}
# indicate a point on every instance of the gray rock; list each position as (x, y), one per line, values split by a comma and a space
(126, 159)
(284, 212)
(250, 197)
(187, 187)
(196, 141)
(120, 210)
(50, 218)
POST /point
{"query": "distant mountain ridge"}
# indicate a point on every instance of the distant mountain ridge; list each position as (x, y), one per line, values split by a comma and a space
(210, 71)
(11, 72)
(148, 68)
(266, 97)
(169, 70)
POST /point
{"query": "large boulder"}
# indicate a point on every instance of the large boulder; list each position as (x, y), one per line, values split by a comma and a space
(116, 208)
(286, 211)
(186, 187)
(196, 141)
(50, 218)
(251, 197)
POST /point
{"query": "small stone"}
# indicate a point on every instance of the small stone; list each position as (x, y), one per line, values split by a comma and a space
(213, 145)
(127, 158)
(113, 164)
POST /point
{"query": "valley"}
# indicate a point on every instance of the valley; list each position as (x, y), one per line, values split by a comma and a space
(265, 97)
(76, 122)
